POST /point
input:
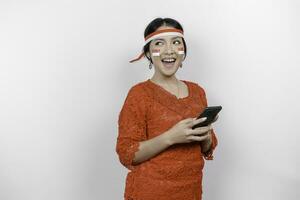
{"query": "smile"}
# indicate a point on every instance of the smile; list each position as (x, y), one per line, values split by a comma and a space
(168, 60)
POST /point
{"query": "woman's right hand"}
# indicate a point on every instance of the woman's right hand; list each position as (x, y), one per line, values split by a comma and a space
(182, 132)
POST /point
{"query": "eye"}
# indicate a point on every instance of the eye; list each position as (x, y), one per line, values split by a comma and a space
(158, 43)
(176, 42)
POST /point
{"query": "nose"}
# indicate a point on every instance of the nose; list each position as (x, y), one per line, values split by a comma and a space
(169, 49)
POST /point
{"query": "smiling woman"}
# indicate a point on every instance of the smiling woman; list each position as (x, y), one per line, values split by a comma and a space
(156, 140)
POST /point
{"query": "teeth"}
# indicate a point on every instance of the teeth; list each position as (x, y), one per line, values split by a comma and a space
(168, 59)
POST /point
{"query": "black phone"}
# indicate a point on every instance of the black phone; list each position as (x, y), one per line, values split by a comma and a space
(210, 113)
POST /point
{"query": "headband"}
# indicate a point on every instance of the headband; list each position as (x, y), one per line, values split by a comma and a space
(157, 34)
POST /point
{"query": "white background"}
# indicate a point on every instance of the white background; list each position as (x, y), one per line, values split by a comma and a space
(64, 74)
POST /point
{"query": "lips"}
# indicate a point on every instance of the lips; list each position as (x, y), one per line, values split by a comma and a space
(168, 62)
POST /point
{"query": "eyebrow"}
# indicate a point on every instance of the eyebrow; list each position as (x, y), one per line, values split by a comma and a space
(164, 39)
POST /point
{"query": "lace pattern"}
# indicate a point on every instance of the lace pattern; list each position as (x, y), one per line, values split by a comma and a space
(175, 173)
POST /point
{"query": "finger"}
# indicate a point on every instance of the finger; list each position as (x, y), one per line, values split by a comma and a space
(202, 119)
(208, 127)
(188, 120)
(201, 130)
(197, 121)
(216, 118)
(198, 138)
(198, 131)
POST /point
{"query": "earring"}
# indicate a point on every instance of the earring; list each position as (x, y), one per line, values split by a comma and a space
(150, 65)
(180, 65)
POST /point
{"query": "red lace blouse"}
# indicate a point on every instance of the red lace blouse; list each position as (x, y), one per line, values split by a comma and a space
(175, 173)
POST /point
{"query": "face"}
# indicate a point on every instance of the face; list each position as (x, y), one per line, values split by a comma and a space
(166, 53)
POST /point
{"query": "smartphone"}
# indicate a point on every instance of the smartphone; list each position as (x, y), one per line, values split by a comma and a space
(210, 113)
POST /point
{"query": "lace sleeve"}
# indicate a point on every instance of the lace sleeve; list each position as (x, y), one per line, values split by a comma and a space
(131, 126)
(208, 155)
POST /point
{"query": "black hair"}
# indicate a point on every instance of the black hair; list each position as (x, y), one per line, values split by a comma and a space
(154, 25)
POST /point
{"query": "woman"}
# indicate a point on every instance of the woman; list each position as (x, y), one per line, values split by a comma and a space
(156, 140)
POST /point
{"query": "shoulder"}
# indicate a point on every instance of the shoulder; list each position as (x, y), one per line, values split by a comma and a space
(138, 89)
(137, 93)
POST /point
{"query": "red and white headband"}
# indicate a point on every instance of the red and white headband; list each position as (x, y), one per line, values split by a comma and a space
(157, 34)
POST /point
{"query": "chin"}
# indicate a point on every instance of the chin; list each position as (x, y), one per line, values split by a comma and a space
(170, 72)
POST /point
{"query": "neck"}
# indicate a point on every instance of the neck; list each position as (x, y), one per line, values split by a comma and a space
(164, 79)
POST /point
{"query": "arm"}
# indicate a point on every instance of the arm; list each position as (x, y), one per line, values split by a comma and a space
(133, 146)
(151, 147)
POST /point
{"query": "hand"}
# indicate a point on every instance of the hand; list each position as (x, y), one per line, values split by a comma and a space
(182, 132)
(215, 119)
